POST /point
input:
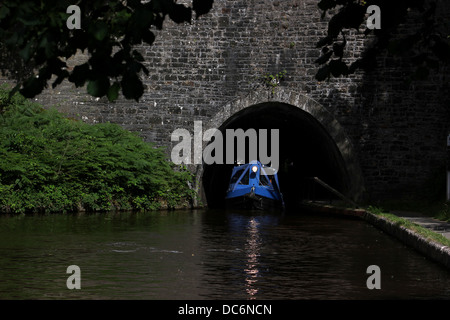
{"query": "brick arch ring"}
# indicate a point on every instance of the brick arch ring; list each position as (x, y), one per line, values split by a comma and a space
(356, 189)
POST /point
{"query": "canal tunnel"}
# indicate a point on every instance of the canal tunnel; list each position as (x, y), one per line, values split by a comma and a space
(305, 150)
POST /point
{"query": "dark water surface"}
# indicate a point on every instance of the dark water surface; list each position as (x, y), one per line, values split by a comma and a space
(209, 255)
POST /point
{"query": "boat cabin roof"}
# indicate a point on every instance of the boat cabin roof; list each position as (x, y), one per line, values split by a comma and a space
(261, 175)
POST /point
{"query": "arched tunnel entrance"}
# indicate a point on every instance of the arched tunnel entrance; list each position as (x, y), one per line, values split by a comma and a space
(306, 150)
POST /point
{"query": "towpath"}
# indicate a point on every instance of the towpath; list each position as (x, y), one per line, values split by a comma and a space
(435, 225)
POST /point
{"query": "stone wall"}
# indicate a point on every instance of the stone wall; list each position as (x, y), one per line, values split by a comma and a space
(397, 131)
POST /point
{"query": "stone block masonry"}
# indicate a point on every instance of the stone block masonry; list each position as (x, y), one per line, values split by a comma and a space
(398, 131)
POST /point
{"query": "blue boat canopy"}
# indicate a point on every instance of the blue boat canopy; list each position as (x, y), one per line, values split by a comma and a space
(254, 178)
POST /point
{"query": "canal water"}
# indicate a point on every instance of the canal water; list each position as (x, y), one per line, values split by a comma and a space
(209, 254)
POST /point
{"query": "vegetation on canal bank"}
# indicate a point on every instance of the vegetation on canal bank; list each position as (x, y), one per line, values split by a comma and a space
(402, 222)
(438, 209)
(53, 164)
(428, 200)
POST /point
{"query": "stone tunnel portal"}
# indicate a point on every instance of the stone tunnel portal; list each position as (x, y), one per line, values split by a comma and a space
(305, 150)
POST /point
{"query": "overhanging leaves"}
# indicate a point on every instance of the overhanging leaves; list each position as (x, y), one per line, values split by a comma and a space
(132, 86)
(323, 73)
(324, 58)
(80, 74)
(430, 35)
(34, 32)
(338, 68)
(202, 7)
(179, 13)
(98, 87)
(113, 91)
(32, 86)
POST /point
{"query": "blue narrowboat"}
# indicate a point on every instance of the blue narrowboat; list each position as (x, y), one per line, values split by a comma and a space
(254, 186)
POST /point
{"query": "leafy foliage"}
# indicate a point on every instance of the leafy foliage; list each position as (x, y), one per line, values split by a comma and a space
(37, 32)
(50, 163)
(273, 81)
(428, 44)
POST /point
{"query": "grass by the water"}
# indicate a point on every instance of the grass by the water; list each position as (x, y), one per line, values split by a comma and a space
(426, 233)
